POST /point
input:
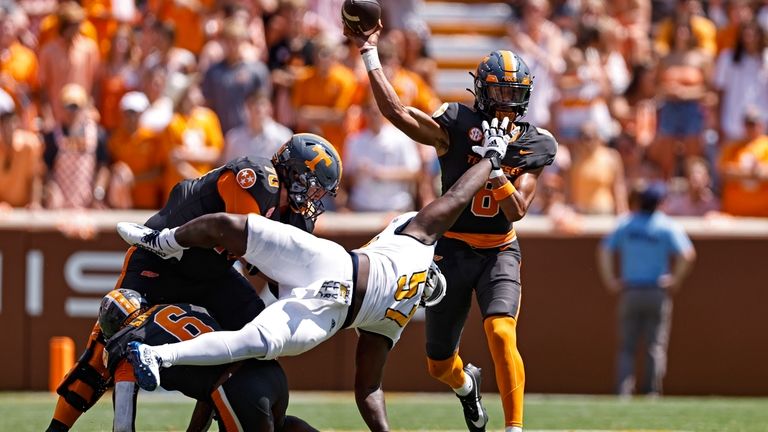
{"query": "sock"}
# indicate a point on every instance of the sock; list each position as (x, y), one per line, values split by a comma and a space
(466, 388)
(513, 429)
(169, 237)
(510, 375)
(449, 371)
(65, 414)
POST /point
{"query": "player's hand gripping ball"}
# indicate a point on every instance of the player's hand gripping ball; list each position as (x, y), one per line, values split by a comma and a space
(361, 16)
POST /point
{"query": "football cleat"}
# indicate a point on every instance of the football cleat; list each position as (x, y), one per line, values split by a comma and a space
(474, 412)
(149, 239)
(146, 365)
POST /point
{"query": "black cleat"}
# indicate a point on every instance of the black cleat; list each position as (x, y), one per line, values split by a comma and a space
(474, 411)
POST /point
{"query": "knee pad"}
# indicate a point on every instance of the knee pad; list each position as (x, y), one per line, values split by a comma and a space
(89, 378)
(500, 329)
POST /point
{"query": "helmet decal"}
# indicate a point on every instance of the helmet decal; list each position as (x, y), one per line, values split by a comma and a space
(322, 156)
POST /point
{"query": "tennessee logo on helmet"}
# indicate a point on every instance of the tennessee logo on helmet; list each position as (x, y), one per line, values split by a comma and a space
(322, 156)
(246, 178)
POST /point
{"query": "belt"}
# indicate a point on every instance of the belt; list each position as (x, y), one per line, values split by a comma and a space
(360, 270)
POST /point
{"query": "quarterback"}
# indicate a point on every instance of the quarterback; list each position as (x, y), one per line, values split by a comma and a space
(375, 289)
(480, 251)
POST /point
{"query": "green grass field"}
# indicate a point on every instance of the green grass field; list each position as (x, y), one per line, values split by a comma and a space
(336, 411)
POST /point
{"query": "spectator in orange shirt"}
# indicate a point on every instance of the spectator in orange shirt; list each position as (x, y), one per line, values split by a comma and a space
(324, 94)
(195, 134)
(162, 52)
(597, 184)
(69, 58)
(704, 30)
(21, 160)
(739, 15)
(411, 88)
(744, 169)
(18, 64)
(188, 16)
(140, 150)
(50, 26)
(118, 75)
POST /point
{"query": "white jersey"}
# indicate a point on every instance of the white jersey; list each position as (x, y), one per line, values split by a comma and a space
(398, 271)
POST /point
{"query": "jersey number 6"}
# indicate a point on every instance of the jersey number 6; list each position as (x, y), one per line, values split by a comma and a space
(174, 320)
(483, 204)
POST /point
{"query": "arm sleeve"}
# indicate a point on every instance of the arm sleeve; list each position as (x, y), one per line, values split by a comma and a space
(236, 199)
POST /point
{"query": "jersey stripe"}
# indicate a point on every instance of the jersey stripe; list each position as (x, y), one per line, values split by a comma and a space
(227, 414)
(483, 241)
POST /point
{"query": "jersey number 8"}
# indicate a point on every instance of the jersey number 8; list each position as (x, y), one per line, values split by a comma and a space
(483, 204)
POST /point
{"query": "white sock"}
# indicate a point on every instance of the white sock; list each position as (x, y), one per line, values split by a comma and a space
(169, 237)
(466, 388)
(513, 429)
(166, 353)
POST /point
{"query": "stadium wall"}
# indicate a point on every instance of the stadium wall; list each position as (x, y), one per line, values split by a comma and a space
(50, 285)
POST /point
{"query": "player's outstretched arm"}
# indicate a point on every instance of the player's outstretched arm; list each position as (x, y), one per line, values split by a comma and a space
(419, 126)
(516, 204)
(439, 215)
(372, 352)
(225, 230)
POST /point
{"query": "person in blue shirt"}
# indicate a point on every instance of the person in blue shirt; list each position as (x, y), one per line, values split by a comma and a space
(646, 242)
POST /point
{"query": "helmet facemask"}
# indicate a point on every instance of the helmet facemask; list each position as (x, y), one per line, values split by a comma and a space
(305, 194)
(496, 98)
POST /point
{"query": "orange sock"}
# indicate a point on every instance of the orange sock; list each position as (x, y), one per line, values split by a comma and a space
(66, 413)
(449, 371)
(510, 375)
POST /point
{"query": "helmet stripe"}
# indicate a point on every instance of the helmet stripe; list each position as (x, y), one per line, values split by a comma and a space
(510, 64)
(121, 302)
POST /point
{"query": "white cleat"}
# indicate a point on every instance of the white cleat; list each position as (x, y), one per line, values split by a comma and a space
(149, 239)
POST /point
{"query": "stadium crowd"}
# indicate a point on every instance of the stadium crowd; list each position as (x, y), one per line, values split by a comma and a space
(108, 104)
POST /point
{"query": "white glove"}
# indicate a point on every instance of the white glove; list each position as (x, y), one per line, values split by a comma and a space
(495, 138)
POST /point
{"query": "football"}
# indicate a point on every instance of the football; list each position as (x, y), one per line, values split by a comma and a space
(361, 16)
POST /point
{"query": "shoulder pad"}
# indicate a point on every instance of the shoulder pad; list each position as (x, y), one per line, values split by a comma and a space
(252, 170)
(535, 149)
(447, 114)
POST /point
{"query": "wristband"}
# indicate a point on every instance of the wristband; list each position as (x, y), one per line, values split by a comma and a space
(496, 173)
(503, 192)
(371, 59)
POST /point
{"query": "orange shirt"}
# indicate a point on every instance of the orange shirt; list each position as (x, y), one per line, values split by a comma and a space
(413, 91)
(49, 30)
(113, 87)
(704, 30)
(144, 153)
(19, 166)
(745, 197)
(201, 128)
(20, 63)
(727, 37)
(336, 90)
(190, 34)
(61, 65)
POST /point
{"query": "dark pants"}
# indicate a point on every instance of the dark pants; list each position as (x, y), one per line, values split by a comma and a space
(643, 314)
(494, 276)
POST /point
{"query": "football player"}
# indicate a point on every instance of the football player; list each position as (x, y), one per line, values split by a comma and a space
(286, 189)
(375, 289)
(480, 251)
(246, 396)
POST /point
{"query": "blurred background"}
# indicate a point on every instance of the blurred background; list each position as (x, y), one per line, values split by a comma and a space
(106, 104)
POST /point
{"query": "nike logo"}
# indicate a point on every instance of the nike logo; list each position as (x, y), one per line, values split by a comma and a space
(525, 152)
(480, 422)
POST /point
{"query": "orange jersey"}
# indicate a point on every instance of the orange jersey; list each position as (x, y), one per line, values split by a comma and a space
(745, 197)
(200, 129)
(336, 90)
(144, 153)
